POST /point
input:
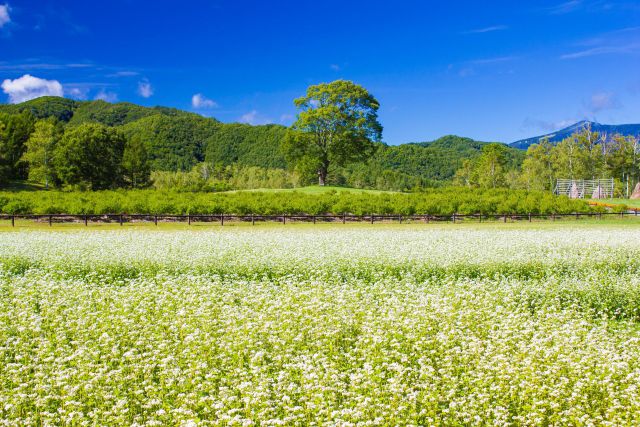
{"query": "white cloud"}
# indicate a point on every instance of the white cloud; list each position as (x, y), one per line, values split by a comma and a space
(602, 101)
(249, 117)
(334, 67)
(145, 89)
(107, 96)
(76, 92)
(28, 87)
(254, 118)
(200, 101)
(4, 15)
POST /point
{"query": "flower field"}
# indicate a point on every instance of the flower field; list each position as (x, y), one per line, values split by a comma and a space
(318, 326)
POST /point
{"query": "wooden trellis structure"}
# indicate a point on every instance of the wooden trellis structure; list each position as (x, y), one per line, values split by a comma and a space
(583, 188)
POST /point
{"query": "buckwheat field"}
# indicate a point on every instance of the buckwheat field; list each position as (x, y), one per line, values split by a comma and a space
(347, 326)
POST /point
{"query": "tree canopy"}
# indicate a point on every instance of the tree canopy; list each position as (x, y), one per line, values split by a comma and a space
(337, 124)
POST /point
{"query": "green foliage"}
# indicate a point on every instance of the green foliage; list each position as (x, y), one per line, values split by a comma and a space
(337, 125)
(39, 151)
(178, 141)
(246, 145)
(14, 133)
(204, 177)
(118, 114)
(135, 163)
(444, 201)
(174, 143)
(584, 155)
(489, 170)
(61, 109)
(90, 156)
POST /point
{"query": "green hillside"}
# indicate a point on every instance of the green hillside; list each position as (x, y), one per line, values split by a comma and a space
(175, 141)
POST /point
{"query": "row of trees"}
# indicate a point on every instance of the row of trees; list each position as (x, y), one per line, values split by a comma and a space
(88, 156)
(584, 155)
(443, 201)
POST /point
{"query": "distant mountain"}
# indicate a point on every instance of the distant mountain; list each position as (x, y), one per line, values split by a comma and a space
(557, 136)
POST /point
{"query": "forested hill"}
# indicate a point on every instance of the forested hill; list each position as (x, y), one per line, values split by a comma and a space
(177, 140)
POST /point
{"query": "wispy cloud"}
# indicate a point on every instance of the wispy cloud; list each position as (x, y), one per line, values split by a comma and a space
(602, 101)
(566, 7)
(603, 50)
(200, 101)
(254, 118)
(28, 87)
(547, 126)
(30, 66)
(125, 73)
(76, 92)
(487, 29)
(622, 41)
(498, 59)
(335, 67)
(592, 6)
(145, 89)
(4, 15)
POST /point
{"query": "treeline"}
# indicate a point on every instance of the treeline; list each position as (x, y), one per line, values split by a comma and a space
(583, 155)
(444, 201)
(151, 145)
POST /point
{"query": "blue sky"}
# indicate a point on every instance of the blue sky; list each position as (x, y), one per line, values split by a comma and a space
(495, 70)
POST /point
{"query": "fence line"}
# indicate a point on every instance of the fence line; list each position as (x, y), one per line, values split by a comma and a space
(314, 219)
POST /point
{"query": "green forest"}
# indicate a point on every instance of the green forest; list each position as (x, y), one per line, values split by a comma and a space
(73, 146)
(92, 145)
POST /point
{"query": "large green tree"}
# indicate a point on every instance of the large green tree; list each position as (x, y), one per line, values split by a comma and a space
(337, 124)
(90, 155)
(14, 132)
(538, 169)
(39, 151)
(491, 166)
(135, 163)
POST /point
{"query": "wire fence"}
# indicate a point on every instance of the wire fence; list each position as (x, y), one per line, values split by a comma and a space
(223, 219)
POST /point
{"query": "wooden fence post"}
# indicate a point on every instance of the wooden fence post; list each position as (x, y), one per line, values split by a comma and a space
(13, 220)
(344, 219)
(50, 216)
(372, 218)
(120, 219)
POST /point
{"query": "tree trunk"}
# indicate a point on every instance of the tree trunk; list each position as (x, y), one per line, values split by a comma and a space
(322, 174)
(322, 177)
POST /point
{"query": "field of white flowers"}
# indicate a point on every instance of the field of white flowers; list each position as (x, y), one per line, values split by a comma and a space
(321, 326)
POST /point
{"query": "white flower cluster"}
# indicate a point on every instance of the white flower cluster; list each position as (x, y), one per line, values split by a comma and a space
(325, 326)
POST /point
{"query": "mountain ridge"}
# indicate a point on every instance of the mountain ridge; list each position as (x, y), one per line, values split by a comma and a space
(630, 129)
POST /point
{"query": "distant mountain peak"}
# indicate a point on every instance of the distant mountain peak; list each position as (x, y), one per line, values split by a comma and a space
(559, 135)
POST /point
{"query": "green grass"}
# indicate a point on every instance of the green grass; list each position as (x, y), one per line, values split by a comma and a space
(628, 221)
(629, 202)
